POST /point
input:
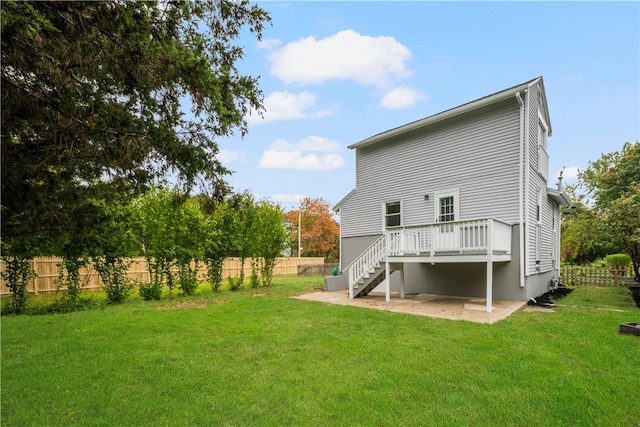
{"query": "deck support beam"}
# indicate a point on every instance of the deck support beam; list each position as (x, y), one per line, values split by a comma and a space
(387, 276)
(489, 265)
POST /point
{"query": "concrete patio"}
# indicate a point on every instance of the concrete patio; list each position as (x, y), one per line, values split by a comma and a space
(440, 306)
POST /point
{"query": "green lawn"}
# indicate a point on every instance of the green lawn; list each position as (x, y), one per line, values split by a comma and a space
(261, 358)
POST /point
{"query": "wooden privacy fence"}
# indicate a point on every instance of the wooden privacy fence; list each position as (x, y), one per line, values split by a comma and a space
(316, 269)
(594, 276)
(47, 271)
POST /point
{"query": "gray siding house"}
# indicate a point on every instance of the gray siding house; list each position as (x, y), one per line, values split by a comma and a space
(457, 204)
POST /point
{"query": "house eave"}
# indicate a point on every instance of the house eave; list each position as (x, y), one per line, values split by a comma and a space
(560, 197)
(456, 111)
(337, 206)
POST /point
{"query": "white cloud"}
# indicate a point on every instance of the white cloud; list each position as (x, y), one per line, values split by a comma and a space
(311, 143)
(289, 106)
(347, 55)
(401, 97)
(269, 44)
(230, 156)
(300, 156)
(570, 173)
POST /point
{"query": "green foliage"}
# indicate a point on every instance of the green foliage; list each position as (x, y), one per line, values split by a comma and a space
(271, 239)
(245, 241)
(584, 236)
(112, 271)
(150, 291)
(234, 284)
(116, 245)
(93, 107)
(69, 281)
(613, 181)
(220, 226)
(618, 260)
(18, 272)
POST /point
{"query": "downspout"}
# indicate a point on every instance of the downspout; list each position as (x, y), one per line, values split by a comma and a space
(521, 191)
(527, 179)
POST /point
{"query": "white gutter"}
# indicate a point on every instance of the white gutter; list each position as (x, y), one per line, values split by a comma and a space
(527, 177)
(521, 190)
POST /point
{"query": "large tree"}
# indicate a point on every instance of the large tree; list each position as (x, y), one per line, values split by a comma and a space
(319, 231)
(613, 182)
(99, 99)
(585, 235)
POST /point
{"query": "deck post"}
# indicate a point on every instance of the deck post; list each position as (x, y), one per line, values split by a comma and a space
(387, 277)
(489, 264)
(402, 280)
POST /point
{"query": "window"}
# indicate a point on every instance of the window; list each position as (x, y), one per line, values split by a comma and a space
(392, 215)
(539, 207)
(446, 207)
(542, 136)
(543, 157)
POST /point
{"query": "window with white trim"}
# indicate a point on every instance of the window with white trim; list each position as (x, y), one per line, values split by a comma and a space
(543, 156)
(447, 206)
(393, 214)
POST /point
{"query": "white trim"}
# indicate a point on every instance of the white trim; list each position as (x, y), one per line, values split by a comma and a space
(521, 201)
(384, 204)
(456, 203)
(527, 189)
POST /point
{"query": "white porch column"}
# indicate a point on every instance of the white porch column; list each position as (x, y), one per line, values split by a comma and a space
(402, 280)
(489, 264)
(489, 284)
(387, 277)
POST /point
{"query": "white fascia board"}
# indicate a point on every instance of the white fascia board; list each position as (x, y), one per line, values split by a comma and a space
(560, 197)
(336, 208)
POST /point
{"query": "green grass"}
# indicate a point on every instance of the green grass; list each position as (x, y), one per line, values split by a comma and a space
(262, 358)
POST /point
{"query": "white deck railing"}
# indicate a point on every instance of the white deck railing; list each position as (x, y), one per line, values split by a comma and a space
(488, 235)
(366, 263)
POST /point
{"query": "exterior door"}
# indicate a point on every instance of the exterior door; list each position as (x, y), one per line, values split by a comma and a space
(446, 236)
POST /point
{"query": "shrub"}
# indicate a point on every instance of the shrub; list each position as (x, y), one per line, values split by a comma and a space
(187, 278)
(150, 291)
(618, 260)
(17, 275)
(234, 284)
(113, 273)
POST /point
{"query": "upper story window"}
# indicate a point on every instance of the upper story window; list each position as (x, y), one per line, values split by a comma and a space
(447, 206)
(392, 214)
(543, 157)
(446, 209)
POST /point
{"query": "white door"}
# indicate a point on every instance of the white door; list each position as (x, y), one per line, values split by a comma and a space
(446, 236)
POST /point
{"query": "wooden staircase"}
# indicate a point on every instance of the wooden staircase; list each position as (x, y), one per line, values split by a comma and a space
(368, 270)
(369, 282)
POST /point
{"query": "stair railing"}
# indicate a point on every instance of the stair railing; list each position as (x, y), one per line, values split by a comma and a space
(366, 262)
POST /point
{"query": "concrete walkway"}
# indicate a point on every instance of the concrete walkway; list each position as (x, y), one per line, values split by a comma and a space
(441, 306)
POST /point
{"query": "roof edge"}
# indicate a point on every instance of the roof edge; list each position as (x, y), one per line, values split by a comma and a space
(337, 206)
(461, 109)
(560, 197)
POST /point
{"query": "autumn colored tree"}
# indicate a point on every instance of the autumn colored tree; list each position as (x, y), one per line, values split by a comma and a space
(319, 231)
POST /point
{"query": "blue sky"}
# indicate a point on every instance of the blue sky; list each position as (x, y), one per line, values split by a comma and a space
(334, 73)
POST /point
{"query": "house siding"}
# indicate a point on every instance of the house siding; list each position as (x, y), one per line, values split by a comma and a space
(537, 183)
(484, 147)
